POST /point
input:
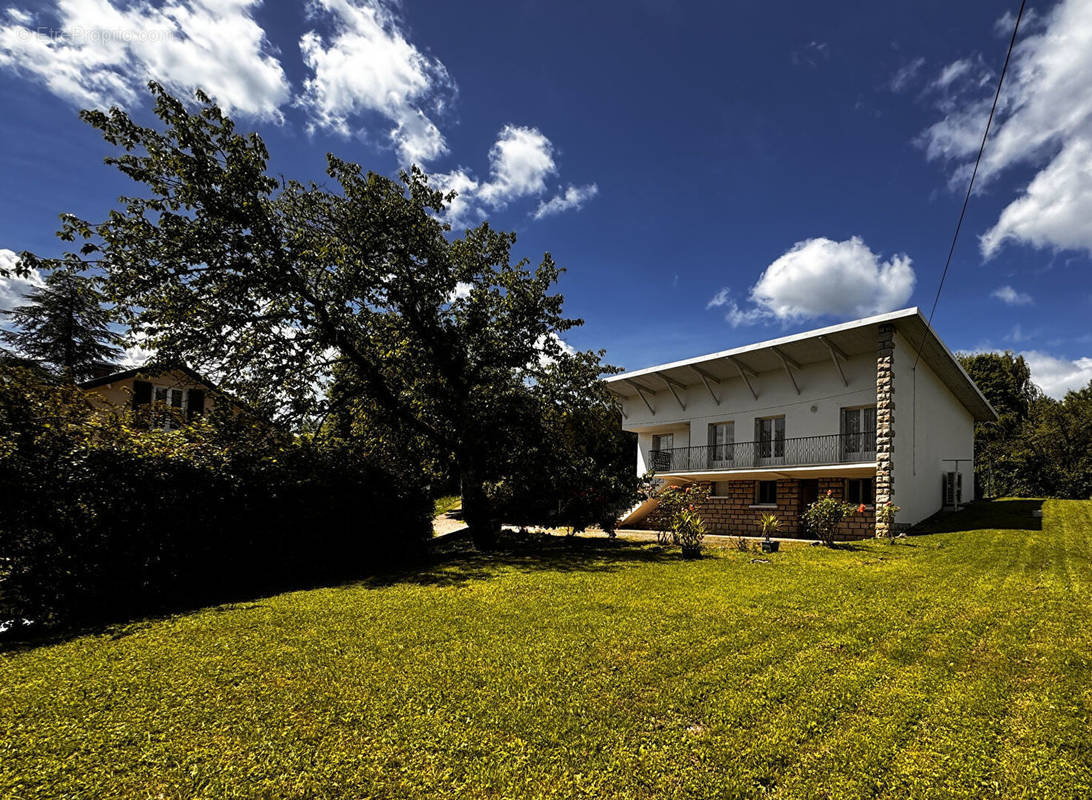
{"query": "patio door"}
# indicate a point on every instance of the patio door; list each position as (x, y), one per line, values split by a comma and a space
(770, 440)
(721, 445)
(662, 444)
(859, 433)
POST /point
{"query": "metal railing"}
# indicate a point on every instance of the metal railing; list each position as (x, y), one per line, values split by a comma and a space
(834, 448)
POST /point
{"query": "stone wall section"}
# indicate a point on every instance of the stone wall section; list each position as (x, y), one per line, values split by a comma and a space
(885, 419)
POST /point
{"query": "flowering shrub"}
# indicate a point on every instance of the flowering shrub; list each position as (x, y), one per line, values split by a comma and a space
(826, 514)
(678, 519)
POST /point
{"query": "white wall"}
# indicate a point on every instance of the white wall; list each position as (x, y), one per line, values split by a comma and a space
(930, 425)
(820, 387)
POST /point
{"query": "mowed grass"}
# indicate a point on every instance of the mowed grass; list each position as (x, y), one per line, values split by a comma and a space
(952, 665)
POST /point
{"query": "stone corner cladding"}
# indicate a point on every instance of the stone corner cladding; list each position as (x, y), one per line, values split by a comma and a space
(885, 419)
(731, 514)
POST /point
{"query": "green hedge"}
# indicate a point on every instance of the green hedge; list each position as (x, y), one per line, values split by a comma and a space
(103, 521)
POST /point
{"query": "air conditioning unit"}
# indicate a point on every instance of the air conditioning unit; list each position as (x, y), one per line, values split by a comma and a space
(952, 485)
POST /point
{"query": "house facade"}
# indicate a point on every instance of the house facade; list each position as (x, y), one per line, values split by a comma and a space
(851, 409)
(164, 399)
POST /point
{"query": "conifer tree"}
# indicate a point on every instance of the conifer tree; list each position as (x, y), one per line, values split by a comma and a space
(64, 326)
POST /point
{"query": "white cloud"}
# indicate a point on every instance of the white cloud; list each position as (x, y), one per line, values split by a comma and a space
(520, 161)
(905, 75)
(548, 345)
(102, 52)
(1009, 296)
(1056, 375)
(735, 315)
(1044, 121)
(367, 66)
(823, 278)
(13, 290)
(572, 197)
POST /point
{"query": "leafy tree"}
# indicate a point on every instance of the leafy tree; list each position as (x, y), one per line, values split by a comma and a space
(65, 325)
(1005, 380)
(275, 284)
(567, 462)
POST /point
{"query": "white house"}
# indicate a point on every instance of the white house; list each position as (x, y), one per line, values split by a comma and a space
(851, 409)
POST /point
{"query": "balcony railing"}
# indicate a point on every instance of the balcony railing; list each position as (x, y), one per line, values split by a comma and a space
(802, 451)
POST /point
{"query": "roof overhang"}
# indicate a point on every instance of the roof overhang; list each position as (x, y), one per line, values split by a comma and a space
(832, 345)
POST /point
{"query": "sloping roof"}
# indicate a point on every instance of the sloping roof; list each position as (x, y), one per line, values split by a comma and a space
(145, 370)
(849, 338)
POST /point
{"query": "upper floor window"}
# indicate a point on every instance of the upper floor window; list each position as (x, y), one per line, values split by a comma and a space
(721, 437)
(858, 430)
(770, 437)
(662, 441)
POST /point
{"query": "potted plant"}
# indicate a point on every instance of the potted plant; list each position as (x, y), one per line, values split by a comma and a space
(770, 524)
(689, 530)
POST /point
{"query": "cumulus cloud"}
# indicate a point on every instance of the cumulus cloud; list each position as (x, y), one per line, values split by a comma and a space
(101, 52)
(520, 161)
(1009, 296)
(1044, 121)
(572, 197)
(13, 290)
(823, 278)
(1056, 375)
(367, 66)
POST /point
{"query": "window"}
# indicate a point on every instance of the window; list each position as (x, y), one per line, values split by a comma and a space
(860, 490)
(858, 431)
(169, 403)
(662, 441)
(722, 489)
(766, 494)
(770, 437)
(721, 438)
(661, 455)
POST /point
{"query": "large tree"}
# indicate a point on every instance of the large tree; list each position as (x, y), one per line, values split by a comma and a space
(1005, 380)
(64, 325)
(273, 285)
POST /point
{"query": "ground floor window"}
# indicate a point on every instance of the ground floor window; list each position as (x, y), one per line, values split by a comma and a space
(766, 493)
(860, 490)
(722, 488)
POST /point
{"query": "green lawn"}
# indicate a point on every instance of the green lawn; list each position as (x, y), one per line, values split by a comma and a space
(441, 505)
(952, 665)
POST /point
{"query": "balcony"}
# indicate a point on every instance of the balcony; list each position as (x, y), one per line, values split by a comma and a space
(802, 451)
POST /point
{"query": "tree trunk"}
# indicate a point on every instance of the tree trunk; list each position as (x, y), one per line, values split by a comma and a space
(478, 511)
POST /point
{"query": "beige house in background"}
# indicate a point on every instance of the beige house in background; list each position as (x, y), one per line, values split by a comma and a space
(170, 398)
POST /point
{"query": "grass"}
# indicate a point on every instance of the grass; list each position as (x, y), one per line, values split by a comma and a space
(446, 503)
(950, 665)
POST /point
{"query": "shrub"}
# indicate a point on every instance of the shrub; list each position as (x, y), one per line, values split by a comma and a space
(770, 525)
(826, 514)
(678, 518)
(107, 522)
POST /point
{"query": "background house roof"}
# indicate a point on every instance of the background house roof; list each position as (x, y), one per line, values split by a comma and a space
(830, 344)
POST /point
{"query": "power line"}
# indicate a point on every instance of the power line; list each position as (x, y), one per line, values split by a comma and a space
(970, 185)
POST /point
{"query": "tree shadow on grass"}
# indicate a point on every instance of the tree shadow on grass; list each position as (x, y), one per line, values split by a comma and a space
(1018, 514)
(455, 561)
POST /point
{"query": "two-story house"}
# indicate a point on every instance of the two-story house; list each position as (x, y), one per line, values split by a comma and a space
(772, 425)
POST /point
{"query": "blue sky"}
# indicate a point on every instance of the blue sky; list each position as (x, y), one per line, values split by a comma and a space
(709, 174)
